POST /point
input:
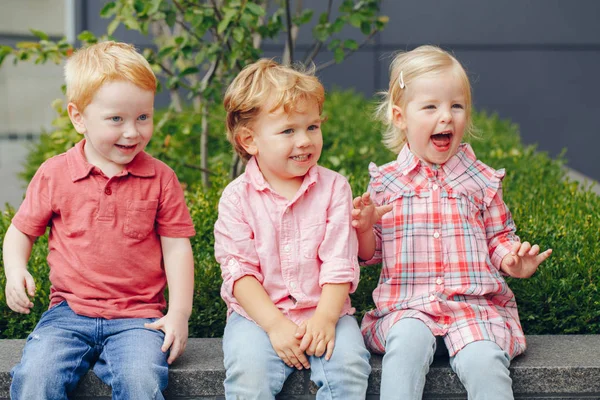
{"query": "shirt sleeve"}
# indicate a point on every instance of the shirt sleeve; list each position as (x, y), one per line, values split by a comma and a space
(499, 226)
(235, 248)
(35, 212)
(173, 217)
(339, 249)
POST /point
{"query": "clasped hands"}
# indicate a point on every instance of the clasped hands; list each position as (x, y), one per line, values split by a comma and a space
(293, 343)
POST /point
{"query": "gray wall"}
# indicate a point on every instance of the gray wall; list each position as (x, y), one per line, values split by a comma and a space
(534, 62)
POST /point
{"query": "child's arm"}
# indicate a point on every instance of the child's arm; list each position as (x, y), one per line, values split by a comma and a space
(179, 267)
(364, 215)
(319, 330)
(507, 253)
(523, 260)
(253, 298)
(19, 282)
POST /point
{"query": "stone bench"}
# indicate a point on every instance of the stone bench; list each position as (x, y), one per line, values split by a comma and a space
(554, 367)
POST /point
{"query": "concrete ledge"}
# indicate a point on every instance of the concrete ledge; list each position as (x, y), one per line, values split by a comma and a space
(554, 367)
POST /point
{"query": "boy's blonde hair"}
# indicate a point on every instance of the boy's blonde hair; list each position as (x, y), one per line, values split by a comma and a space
(414, 64)
(90, 67)
(267, 83)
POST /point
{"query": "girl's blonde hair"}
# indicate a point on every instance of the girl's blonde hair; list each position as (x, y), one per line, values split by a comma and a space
(414, 64)
(263, 83)
(90, 67)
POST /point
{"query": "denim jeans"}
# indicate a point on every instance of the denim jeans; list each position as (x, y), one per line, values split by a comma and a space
(481, 366)
(254, 371)
(63, 346)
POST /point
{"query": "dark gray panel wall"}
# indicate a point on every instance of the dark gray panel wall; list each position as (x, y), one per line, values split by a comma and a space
(535, 62)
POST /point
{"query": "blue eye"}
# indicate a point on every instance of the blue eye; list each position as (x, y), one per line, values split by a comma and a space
(143, 117)
(288, 131)
(313, 127)
(116, 119)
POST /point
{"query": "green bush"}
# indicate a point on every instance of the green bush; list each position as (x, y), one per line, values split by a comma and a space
(562, 297)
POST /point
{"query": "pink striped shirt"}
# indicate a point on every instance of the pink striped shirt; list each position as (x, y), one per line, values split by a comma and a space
(441, 248)
(291, 247)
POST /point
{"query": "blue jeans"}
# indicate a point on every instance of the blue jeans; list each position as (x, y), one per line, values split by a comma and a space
(481, 366)
(63, 346)
(254, 371)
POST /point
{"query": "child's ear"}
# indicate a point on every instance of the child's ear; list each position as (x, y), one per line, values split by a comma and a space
(76, 118)
(245, 138)
(398, 118)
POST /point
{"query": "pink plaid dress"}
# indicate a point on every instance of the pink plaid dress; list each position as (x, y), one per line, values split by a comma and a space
(440, 249)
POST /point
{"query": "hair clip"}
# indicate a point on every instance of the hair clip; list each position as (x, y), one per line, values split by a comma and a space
(401, 82)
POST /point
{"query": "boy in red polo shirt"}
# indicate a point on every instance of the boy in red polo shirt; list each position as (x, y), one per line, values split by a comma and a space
(119, 232)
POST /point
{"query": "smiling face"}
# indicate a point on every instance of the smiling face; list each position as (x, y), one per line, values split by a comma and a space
(285, 145)
(434, 116)
(117, 125)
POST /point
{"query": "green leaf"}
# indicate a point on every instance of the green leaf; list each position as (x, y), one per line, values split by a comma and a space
(356, 20)
(87, 36)
(365, 28)
(114, 24)
(255, 9)
(238, 34)
(108, 9)
(303, 18)
(4, 51)
(28, 45)
(338, 55)
(154, 6)
(39, 34)
(189, 71)
(351, 44)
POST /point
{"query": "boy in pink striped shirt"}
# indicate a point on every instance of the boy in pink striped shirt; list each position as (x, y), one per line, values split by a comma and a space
(436, 221)
(286, 245)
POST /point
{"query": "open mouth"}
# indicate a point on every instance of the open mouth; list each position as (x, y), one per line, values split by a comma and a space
(301, 157)
(442, 140)
(121, 146)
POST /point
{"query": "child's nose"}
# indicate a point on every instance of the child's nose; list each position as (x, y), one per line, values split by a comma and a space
(302, 139)
(446, 115)
(131, 131)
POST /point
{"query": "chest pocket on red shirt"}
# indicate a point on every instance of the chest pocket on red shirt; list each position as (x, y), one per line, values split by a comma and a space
(140, 219)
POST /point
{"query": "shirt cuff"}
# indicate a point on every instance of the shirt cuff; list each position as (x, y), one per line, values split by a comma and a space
(340, 271)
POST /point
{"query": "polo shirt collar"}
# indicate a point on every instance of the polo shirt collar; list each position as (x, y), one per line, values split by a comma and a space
(80, 168)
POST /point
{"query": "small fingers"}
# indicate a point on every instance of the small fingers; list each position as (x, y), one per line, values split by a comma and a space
(302, 359)
(543, 256)
(330, 347)
(169, 339)
(524, 249)
(320, 348)
(285, 359)
(306, 341)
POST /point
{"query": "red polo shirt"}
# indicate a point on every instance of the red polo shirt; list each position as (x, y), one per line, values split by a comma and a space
(104, 254)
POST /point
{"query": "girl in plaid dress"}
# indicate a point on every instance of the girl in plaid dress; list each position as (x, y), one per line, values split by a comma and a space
(435, 219)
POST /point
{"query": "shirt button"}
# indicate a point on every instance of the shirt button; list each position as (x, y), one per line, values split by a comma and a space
(436, 234)
(107, 191)
(286, 248)
(431, 298)
(439, 281)
(435, 187)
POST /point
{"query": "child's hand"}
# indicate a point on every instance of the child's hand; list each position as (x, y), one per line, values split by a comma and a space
(286, 345)
(175, 327)
(365, 214)
(318, 335)
(523, 260)
(19, 284)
